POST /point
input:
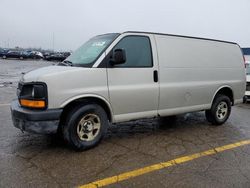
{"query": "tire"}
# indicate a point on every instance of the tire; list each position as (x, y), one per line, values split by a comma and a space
(85, 126)
(21, 58)
(220, 110)
(4, 57)
(245, 99)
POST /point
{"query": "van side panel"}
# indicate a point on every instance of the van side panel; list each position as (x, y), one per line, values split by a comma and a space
(192, 70)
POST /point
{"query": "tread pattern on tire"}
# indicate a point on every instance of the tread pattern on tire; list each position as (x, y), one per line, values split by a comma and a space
(211, 114)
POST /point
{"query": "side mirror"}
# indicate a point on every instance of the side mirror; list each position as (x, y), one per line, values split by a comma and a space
(119, 57)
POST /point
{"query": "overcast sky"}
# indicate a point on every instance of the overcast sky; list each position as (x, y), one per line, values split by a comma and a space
(32, 23)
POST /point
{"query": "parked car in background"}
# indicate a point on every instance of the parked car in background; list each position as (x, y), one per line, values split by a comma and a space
(3, 52)
(45, 54)
(247, 93)
(13, 54)
(60, 56)
(36, 55)
(31, 55)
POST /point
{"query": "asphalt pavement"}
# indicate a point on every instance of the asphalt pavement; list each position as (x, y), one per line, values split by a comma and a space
(133, 148)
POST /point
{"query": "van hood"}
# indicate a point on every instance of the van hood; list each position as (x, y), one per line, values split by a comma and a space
(40, 73)
(66, 83)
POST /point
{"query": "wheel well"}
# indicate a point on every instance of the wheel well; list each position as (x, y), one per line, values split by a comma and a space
(227, 92)
(86, 100)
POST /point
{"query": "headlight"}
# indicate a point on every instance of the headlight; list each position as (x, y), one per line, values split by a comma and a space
(32, 95)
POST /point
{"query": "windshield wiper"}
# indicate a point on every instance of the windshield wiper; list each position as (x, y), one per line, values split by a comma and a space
(66, 63)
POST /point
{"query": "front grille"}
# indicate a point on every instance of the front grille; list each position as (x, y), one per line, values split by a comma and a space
(248, 86)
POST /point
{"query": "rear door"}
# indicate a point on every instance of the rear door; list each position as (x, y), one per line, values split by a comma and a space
(133, 86)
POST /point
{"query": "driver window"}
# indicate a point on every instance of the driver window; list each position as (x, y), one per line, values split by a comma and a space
(138, 51)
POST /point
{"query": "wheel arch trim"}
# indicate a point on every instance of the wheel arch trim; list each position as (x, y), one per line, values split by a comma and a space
(220, 88)
(86, 96)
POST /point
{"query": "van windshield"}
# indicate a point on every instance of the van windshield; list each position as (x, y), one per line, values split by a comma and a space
(87, 54)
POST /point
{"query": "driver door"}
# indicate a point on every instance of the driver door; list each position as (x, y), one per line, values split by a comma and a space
(133, 86)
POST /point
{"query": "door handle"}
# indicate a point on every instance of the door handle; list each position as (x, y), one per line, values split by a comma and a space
(155, 76)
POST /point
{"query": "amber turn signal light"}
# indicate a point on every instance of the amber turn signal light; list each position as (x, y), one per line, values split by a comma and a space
(32, 103)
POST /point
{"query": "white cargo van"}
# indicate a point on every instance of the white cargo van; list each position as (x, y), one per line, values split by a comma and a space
(121, 77)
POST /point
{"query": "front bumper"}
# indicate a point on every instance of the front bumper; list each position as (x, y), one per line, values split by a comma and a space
(35, 121)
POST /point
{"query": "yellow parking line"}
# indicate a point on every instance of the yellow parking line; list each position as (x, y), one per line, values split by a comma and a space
(5, 104)
(141, 171)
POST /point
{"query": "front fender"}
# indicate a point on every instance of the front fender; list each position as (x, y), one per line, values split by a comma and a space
(66, 102)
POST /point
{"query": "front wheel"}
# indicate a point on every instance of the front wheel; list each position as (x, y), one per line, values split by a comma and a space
(220, 110)
(85, 126)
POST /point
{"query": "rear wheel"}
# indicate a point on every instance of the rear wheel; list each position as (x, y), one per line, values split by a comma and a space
(220, 110)
(85, 126)
(245, 99)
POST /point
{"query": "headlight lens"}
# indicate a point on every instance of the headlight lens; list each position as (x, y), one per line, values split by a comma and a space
(32, 95)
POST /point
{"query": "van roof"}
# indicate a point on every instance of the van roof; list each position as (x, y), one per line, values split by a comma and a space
(182, 36)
